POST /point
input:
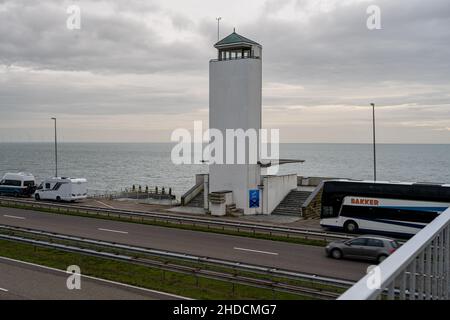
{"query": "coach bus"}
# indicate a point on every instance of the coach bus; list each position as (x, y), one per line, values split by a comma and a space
(394, 208)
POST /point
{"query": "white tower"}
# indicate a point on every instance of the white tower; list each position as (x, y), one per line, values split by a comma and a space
(235, 88)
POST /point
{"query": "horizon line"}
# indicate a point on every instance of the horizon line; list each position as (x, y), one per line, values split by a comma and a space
(171, 142)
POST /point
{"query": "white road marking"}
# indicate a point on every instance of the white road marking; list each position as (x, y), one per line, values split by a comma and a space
(4, 290)
(106, 205)
(14, 217)
(116, 231)
(98, 279)
(257, 251)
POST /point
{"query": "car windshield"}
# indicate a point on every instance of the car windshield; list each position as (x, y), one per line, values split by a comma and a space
(394, 244)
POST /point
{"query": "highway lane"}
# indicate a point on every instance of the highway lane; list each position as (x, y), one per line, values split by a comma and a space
(23, 281)
(300, 258)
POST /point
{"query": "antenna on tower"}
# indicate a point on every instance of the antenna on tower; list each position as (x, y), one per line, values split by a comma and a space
(218, 27)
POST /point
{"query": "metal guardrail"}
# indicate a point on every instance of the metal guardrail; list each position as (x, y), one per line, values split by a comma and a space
(420, 269)
(263, 283)
(177, 219)
(184, 256)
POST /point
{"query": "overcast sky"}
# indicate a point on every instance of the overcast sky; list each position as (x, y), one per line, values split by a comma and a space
(136, 70)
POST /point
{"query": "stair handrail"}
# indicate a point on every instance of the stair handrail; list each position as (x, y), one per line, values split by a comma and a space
(313, 195)
(189, 195)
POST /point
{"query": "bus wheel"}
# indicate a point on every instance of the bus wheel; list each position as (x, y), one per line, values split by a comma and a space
(336, 254)
(351, 226)
(58, 198)
(37, 197)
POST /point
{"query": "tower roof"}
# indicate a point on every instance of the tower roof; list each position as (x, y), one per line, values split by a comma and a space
(235, 39)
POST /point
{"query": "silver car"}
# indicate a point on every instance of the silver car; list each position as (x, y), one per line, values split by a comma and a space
(364, 247)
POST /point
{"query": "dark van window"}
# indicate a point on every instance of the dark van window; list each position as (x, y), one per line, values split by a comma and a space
(28, 184)
(15, 183)
(47, 186)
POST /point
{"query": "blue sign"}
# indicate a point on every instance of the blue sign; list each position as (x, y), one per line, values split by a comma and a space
(253, 196)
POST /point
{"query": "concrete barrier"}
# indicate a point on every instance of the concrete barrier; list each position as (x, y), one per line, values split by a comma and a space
(276, 188)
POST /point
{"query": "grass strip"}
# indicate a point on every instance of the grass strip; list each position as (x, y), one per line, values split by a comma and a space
(196, 287)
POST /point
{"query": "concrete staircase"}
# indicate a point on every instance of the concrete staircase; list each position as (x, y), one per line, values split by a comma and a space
(292, 203)
(197, 201)
(233, 211)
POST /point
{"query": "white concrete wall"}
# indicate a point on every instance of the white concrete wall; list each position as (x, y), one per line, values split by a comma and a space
(220, 209)
(235, 90)
(276, 188)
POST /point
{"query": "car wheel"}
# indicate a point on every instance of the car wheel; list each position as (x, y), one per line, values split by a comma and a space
(37, 197)
(351, 227)
(336, 254)
(381, 258)
(58, 198)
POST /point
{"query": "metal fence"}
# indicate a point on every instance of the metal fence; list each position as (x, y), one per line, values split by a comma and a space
(419, 270)
(136, 192)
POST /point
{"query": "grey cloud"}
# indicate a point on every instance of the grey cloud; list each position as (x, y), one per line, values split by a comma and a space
(333, 56)
(337, 46)
(36, 35)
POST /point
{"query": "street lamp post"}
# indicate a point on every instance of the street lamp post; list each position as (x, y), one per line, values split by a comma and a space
(56, 151)
(374, 144)
(218, 27)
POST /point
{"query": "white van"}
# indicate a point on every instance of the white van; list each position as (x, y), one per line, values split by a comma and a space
(18, 184)
(62, 189)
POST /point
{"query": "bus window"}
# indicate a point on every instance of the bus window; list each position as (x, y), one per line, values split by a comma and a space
(327, 212)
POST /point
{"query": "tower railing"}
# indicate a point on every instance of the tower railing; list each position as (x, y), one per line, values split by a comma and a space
(236, 58)
(418, 270)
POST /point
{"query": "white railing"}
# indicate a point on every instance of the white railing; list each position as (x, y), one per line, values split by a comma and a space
(418, 270)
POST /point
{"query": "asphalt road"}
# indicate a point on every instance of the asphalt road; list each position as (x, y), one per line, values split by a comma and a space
(20, 280)
(295, 257)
